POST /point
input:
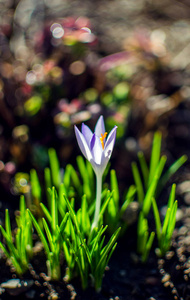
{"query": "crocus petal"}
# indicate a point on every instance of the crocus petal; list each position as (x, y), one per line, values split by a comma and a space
(110, 142)
(83, 144)
(100, 127)
(96, 149)
(87, 133)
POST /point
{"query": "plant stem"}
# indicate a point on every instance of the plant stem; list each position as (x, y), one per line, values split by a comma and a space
(98, 200)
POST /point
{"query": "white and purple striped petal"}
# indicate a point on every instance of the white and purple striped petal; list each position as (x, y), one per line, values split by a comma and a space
(96, 149)
(100, 127)
(110, 142)
(87, 133)
(83, 144)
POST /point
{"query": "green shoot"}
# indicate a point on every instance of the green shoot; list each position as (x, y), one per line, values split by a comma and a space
(146, 189)
(149, 181)
(114, 213)
(89, 257)
(54, 167)
(144, 239)
(19, 252)
(164, 232)
(51, 239)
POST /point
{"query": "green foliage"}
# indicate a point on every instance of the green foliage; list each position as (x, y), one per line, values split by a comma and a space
(149, 182)
(66, 223)
(88, 256)
(18, 247)
(55, 168)
(144, 240)
(74, 183)
(164, 232)
(51, 238)
(35, 188)
(67, 230)
(115, 212)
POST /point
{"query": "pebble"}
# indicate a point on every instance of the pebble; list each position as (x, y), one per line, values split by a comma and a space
(187, 198)
(16, 286)
(184, 187)
(182, 230)
(166, 278)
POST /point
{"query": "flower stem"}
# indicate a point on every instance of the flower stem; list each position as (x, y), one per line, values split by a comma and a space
(98, 200)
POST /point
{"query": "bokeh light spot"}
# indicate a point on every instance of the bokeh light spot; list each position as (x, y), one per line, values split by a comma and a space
(77, 67)
(57, 31)
(31, 77)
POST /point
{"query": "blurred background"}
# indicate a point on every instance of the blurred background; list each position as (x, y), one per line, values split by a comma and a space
(66, 62)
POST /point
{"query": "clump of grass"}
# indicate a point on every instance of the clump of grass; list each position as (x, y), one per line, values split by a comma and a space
(18, 245)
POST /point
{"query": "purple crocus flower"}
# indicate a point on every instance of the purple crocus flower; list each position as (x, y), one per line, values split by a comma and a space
(95, 146)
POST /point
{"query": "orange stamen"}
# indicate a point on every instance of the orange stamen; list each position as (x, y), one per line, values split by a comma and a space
(103, 136)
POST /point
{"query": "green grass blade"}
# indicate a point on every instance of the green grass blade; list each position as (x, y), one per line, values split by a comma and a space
(144, 168)
(35, 186)
(91, 176)
(40, 233)
(171, 171)
(96, 240)
(48, 185)
(84, 174)
(75, 233)
(46, 212)
(114, 188)
(105, 204)
(148, 247)
(21, 219)
(82, 167)
(157, 219)
(49, 235)
(8, 224)
(172, 196)
(12, 249)
(142, 233)
(155, 155)
(54, 167)
(167, 218)
(128, 199)
(166, 222)
(4, 250)
(64, 222)
(138, 182)
(18, 241)
(62, 206)
(72, 214)
(172, 221)
(47, 176)
(75, 180)
(85, 219)
(22, 205)
(54, 210)
(152, 187)
(67, 178)
(108, 247)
